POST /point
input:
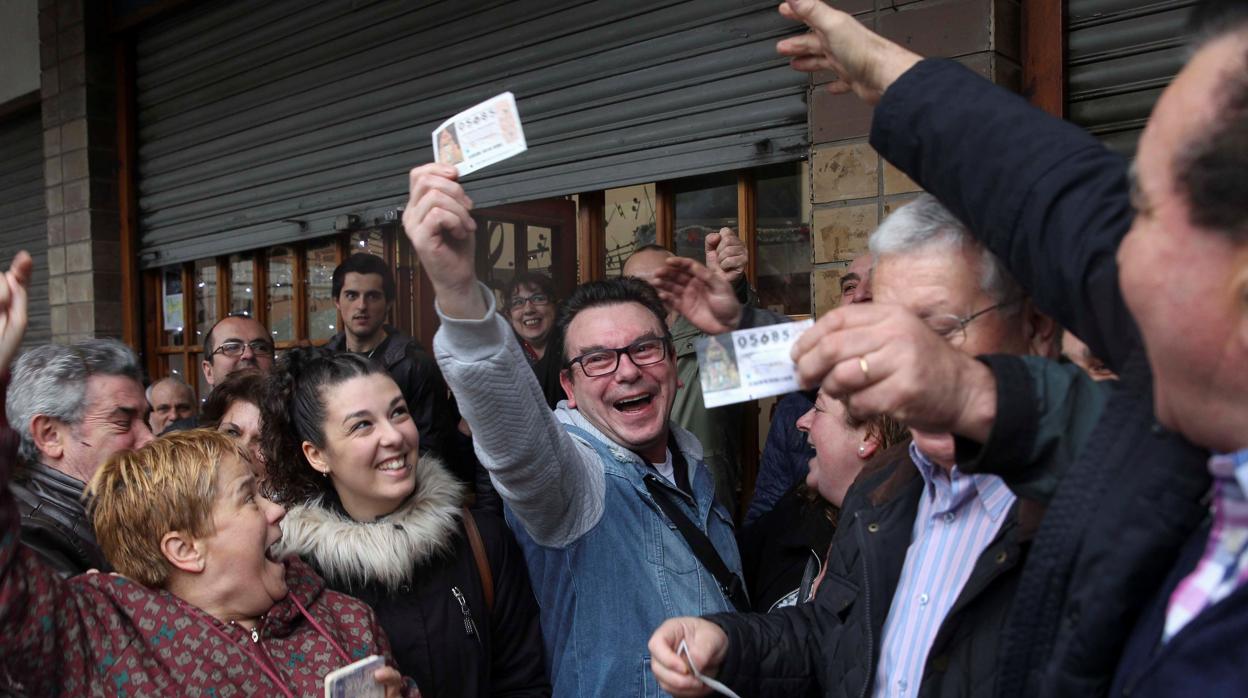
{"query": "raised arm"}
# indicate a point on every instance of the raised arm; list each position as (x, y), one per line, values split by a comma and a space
(555, 491)
(1041, 193)
(34, 610)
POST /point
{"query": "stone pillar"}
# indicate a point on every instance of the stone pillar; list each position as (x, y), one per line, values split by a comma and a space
(852, 188)
(80, 170)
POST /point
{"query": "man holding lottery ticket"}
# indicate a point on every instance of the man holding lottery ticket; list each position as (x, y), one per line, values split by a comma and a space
(612, 503)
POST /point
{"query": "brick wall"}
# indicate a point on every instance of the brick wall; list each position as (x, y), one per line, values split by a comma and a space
(80, 171)
(852, 188)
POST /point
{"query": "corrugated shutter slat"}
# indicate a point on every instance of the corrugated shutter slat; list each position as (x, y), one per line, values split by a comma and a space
(256, 133)
(23, 213)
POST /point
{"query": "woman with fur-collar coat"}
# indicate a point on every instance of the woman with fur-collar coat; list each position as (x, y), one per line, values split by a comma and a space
(387, 526)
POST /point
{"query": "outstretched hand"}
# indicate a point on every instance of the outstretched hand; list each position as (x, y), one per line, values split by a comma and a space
(705, 298)
(863, 61)
(882, 359)
(13, 317)
(438, 222)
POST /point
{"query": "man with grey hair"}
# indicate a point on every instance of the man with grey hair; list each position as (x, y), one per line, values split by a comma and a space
(173, 405)
(73, 406)
(925, 559)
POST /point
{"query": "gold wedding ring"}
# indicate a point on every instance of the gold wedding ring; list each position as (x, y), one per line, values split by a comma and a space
(866, 371)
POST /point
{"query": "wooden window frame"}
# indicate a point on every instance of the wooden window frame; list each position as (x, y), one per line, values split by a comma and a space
(189, 350)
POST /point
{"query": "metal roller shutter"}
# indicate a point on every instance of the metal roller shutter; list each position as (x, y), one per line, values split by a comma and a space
(259, 123)
(1121, 54)
(23, 215)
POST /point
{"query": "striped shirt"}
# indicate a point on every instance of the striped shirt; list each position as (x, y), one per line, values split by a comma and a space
(1224, 566)
(958, 517)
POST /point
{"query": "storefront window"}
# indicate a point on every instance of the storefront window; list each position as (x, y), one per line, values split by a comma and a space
(281, 294)
(174, 365)
(242, 280)
(318, 290)
(703, 206)
(630, 219)
(205, 280)
(783, 249)
(173, 306)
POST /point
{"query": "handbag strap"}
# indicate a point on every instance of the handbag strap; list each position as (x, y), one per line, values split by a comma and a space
(478, 553)
(729, 583)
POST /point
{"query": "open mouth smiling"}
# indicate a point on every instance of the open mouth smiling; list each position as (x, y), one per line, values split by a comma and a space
(635, 404)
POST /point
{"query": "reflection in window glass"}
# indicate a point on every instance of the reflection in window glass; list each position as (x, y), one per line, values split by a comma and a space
(203, 387)
(318, 290)
(499, 241)
(205, 298)
(703, 206)
(242, 280)
(539, 240)
(174, 365)
(370, 241)
(172, 305)
(783, 260)
(281, 305)
(629, 223)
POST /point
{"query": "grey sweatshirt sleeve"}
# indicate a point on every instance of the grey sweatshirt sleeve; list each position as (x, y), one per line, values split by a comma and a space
(553, 484)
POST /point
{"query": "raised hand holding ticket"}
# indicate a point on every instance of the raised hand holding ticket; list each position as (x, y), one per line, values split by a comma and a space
(479, 136)
(748, 364)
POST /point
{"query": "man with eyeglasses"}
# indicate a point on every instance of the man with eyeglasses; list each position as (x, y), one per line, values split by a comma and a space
(596, 489)
(926, 557)
(235, 342)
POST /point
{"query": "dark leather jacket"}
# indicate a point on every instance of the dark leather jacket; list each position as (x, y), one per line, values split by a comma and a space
(830, 646)
(54, 521)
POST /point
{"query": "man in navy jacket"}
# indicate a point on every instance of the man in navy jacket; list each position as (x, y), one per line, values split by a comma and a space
(1127, 586)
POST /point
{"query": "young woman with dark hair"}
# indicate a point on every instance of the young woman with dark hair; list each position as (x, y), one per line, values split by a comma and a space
(386, 525)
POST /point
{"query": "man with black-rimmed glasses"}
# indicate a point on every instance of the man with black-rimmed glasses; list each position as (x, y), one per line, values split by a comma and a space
(596, 490)
(236, 342)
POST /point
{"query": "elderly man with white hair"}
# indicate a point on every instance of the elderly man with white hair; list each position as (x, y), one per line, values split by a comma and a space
(72, 406)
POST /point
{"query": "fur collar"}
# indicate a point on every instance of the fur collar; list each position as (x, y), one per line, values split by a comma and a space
(387, 551)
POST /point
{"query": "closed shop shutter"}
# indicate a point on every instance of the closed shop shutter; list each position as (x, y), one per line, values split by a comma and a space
(260, 123)
(23, 214)
(1121, 54)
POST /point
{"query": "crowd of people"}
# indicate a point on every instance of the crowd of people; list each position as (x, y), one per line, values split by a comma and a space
(1018, 470)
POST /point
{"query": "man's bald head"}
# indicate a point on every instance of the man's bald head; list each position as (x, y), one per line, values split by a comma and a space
(646, 260)
(171, 399)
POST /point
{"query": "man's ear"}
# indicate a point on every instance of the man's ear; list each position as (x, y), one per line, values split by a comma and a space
(206, 366)
(183, 551)
(49, 435)
(1042, 332)
(316, 457)
(565, 380)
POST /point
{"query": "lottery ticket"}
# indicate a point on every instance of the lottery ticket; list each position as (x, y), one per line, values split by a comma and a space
(479, 136)
(748, 364)
(707, 681)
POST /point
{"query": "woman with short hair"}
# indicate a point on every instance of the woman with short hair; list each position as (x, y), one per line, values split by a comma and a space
(383, 523)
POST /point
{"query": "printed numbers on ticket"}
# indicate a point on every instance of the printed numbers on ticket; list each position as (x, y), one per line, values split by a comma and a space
(482, 135)
(748, 364)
